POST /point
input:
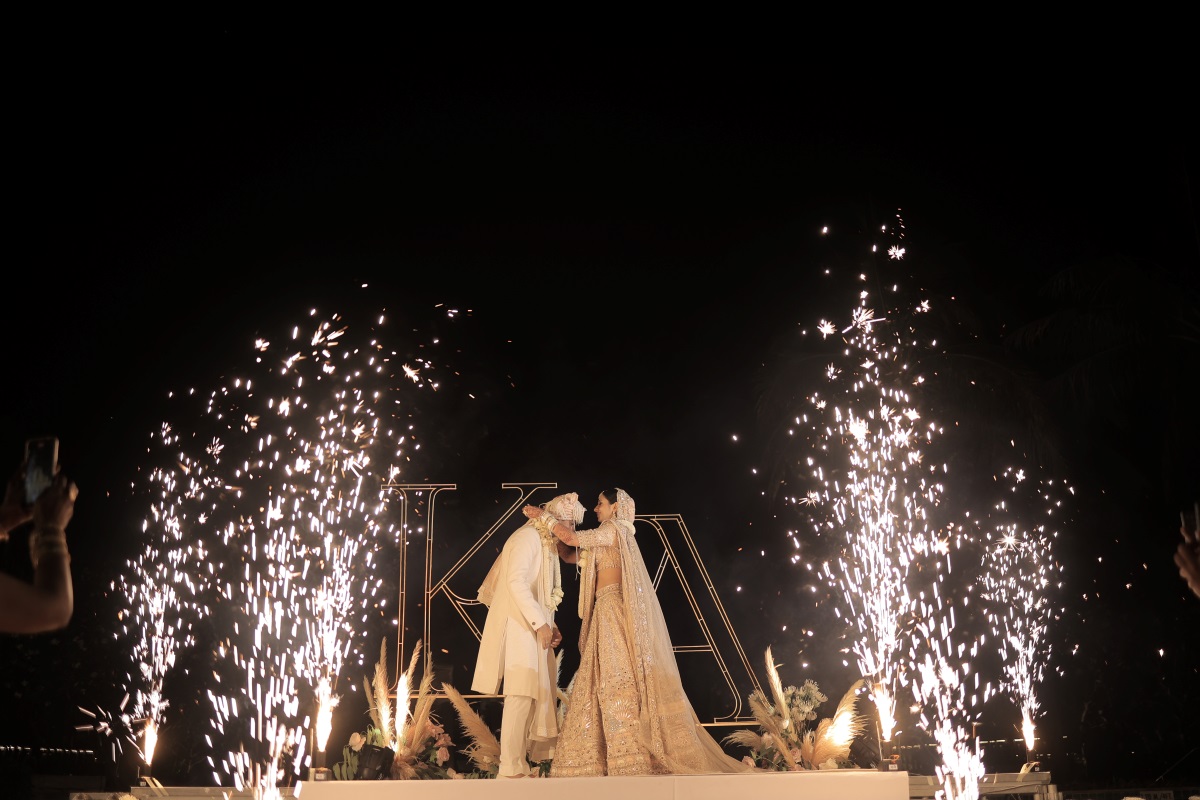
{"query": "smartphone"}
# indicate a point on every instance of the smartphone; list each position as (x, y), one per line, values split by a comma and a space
(41, 463)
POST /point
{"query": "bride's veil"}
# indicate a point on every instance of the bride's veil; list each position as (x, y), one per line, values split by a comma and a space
(668, 725)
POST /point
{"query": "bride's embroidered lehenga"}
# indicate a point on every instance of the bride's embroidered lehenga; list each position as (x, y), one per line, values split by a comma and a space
(627, 713)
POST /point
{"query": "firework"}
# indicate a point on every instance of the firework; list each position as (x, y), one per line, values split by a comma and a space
(874, 493)
(160, 590)
(1019, 579)
(271, 507)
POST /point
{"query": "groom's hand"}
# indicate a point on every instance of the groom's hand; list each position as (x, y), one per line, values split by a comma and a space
(544, 636)
(556, 637)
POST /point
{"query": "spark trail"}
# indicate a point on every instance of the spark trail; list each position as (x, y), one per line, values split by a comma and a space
(276, 482)
(160, 588)
(1019, 579)
(873, 491)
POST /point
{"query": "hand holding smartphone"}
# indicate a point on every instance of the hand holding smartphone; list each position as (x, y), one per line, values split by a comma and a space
(41, 464)
(1192, 535)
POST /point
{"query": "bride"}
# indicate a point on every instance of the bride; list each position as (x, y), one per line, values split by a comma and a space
(627, 713)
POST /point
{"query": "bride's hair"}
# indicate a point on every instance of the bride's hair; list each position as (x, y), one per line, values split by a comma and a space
(625, 508)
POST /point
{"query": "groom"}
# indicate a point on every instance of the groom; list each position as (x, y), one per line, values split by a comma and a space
(522, 591)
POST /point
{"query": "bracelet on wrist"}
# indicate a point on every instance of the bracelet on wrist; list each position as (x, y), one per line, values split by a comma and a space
(47, 542)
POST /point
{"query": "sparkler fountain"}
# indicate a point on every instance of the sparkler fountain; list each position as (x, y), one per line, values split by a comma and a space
(285, 508)
(1020, 574)
(324, 653)
(875, 492)
(160, 588)
(948, 693)
(876, 497)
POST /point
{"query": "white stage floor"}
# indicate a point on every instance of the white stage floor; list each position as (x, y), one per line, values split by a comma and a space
(818, 785)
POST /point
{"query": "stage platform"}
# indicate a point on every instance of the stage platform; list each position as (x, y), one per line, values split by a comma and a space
(1034, 785)
(831, 785)
(818, 785)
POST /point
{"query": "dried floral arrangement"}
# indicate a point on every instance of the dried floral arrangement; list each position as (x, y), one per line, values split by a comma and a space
(418, 742)
(784, 742)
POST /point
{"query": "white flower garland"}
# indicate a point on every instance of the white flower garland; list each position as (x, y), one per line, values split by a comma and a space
(551, 565)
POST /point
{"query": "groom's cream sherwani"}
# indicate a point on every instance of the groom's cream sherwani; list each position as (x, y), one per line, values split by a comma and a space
(508, 649)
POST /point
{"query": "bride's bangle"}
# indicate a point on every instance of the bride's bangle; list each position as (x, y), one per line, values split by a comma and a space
(47, 542)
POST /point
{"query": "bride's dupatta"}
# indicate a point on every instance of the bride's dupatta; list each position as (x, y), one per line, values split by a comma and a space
(668, 725)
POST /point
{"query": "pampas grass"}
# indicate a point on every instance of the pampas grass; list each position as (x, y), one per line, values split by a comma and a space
(830, 743)
(418, 723)
(781, 706)
(782, 743)
(484, 750)
(380, 698)
(413, 731)
(751, 740)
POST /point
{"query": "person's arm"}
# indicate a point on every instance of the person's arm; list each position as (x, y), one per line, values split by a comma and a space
(565, 534)
(48, 602)
(1187, 558)
(603, 536)
(1187, 555)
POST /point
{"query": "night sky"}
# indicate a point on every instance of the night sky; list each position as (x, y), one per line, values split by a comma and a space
(636, 258)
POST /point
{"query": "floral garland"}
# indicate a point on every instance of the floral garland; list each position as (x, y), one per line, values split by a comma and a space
(551, 569)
